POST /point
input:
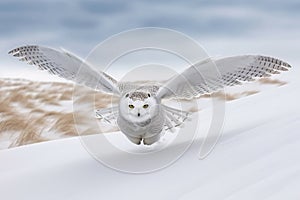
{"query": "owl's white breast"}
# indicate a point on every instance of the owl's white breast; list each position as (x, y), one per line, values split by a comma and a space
(145, 128)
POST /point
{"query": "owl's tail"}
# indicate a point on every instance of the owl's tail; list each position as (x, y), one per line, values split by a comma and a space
(174, 117)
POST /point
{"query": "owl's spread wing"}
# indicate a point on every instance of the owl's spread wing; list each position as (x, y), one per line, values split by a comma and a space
(108, 115)
(209, 76)
(66, 65)
(174, 117)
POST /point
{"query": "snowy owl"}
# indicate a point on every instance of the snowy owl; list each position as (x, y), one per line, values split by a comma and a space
(140, 114)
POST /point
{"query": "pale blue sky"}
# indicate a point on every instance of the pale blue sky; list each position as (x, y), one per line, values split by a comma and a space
(223, 27)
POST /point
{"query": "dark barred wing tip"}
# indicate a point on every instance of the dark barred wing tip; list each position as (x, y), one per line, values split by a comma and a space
(23, 49)
(287, 65)
(275, 61)
(13, 51)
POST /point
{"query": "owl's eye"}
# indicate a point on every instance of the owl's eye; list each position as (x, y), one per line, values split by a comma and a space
(145, 106)
(131, 106)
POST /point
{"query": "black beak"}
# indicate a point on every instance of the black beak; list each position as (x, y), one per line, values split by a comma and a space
(139, 114)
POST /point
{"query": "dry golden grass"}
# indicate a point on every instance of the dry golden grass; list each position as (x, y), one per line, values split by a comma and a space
(50, 101)
(193, 109)
(251, 92)
(12, 123)
(5, 106)
(66, 95)
(103, 100)
(51, 114)
(271, 81)
(233, 96)
(28, 136)
(219, 95)
(229, 96)
(37, 110)
(29, 105)
(28, 124)
(16, 96)
(60, 85)
(29, 130)
(100, 100)
(65, 124)
(22, 110)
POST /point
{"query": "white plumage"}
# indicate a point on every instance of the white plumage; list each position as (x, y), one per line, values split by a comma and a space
(140, 114)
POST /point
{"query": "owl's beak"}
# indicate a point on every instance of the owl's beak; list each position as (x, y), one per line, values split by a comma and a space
(139, 114)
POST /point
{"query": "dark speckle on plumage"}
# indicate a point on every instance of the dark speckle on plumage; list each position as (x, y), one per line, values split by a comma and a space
(137, 95)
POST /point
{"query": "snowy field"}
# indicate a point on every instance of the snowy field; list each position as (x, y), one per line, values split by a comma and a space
(42, 157)
(257, 157)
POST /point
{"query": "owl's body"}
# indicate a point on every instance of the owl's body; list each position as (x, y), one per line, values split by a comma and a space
(140, 114)
(141, 117)
(147, 129)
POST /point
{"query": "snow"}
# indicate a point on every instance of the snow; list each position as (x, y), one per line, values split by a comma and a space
(258, 157)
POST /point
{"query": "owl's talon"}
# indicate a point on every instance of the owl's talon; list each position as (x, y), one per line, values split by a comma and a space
(151, 140)
(135, 140)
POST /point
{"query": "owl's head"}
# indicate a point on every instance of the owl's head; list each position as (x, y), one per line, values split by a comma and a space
(138, 106)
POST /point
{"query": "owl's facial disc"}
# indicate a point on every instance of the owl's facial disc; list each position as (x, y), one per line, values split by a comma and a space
(138, 106)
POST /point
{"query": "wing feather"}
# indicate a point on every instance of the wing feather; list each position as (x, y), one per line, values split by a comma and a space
(66, 65)
(209, 76)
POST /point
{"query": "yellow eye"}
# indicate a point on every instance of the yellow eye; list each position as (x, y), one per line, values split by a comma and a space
(131, 106)
(145, 106)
